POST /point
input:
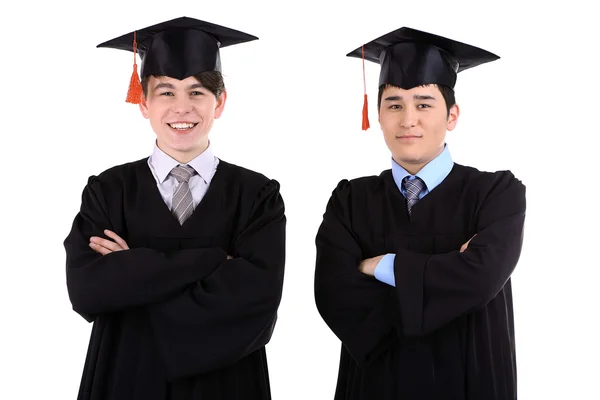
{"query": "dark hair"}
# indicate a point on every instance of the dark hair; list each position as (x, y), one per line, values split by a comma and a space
(211, 80)
(447, 94)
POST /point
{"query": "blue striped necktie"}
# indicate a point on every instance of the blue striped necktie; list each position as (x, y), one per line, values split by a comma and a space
(413, 189)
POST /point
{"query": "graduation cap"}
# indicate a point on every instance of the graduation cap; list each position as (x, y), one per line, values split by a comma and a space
(411, 58)
(178, 48)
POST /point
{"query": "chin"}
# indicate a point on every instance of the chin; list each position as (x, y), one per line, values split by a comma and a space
(185, 149)
(185, 142)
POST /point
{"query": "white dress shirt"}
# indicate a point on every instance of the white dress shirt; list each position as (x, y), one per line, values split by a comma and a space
(161, 164)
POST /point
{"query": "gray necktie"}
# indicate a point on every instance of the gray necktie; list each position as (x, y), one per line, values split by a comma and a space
(183, 205)
(413, 188)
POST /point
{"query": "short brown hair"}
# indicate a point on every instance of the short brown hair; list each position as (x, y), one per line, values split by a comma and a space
(211, 80)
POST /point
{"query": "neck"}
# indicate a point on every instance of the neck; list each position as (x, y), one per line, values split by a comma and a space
(414, 166)
(412, 169)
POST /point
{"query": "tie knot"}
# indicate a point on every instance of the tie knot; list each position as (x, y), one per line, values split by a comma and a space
(413, 187)
(183, 173)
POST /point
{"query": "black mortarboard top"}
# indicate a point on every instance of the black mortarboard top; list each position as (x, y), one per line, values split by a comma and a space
(178, 48)
(411, 58)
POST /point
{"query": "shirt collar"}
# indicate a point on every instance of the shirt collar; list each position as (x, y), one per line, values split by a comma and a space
(203, 164)
(433, 173)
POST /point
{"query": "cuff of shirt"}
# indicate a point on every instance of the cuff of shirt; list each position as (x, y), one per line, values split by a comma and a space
(384, 271)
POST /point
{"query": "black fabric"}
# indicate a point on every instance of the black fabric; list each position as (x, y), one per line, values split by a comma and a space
(411, 58)
(179, 48)
(446, 330)
(173, 317)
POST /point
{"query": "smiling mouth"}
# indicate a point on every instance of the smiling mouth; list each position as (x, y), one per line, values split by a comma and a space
(183, 126)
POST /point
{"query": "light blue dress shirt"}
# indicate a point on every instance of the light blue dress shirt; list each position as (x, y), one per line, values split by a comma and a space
(432, 174)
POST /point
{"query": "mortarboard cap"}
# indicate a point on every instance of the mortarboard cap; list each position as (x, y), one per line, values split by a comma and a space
(411, 58)
(178, 48)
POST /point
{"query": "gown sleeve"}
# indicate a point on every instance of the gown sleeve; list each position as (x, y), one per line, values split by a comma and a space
(230, 313)
(360, 310)
(433, 290)
(100, 284)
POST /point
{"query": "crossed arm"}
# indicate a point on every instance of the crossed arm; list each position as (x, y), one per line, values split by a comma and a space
(105, 246)
(430, 290)
(369, 265)
(207, 310)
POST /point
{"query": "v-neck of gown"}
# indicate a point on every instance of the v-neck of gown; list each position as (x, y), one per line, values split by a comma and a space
(163, 216)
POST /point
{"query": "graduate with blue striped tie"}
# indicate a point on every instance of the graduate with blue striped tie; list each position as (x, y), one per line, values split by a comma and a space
(413, 266)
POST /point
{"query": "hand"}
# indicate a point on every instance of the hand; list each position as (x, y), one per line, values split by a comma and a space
(368, 266)
(104, 246)
(464, 246)
(229, 257)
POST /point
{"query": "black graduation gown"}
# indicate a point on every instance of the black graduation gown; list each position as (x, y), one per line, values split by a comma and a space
(173, 318)
(446, 330)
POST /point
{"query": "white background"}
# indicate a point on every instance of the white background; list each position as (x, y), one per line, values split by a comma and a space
(294, 114)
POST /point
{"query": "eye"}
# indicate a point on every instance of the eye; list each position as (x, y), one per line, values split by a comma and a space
(197, 93)
(424, 106)
(395, 107)
(166, 94)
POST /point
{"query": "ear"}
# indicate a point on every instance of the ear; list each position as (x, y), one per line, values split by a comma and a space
(453, 117)
(220, 104)
(144, 107)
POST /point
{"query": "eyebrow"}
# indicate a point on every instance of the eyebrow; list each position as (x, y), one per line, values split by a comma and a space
(166, 85)
(416, 97)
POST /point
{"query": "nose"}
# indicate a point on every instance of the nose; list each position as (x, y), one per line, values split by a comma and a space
(181, 105)
(408, 118)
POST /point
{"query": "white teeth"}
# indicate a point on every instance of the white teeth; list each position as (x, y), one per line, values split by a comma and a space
(182, 126)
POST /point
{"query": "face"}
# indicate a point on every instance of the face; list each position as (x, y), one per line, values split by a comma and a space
(414, 124)
(181, 114)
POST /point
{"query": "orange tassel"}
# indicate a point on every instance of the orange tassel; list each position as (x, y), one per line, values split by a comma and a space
(365, 115)
(365, 111)
(135, 92)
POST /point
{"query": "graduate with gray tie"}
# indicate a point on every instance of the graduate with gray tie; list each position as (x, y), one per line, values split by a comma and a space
(178, 258)
(413, 266)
